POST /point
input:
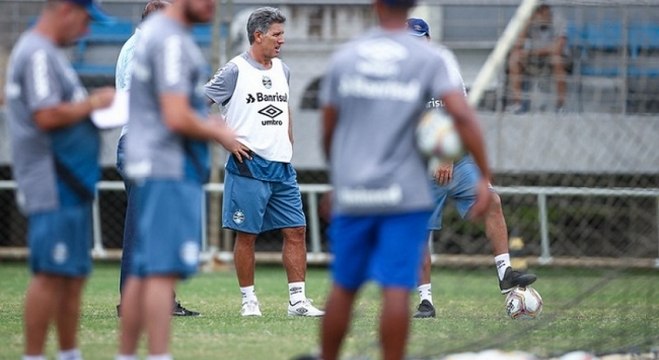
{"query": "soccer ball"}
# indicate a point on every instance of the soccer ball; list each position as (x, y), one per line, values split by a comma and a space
(436, 135)
(523, 303)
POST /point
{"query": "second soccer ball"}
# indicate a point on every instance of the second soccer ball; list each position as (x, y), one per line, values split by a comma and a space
(437, 136)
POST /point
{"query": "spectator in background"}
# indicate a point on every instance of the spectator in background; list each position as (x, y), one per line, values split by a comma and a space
(55, 150)
(542, 43)
(122, 81)
(168, 160)
(381, 203)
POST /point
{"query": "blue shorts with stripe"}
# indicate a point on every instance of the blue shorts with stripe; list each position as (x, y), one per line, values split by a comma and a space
(60, 241)
(461, 189)
(384, 248)
(254, 206)
(168, 234)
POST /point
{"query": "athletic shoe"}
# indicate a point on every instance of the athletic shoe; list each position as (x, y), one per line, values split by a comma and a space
(181, 311)
(119, 310)
(425, 310)
(513, 278)
(250, 308)
(304, 308)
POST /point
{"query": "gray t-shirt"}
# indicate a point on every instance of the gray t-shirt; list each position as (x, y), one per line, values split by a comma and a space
(55, 168)
(380, 85)
(166, 61)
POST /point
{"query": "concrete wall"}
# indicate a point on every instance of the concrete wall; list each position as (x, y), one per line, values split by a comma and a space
(585, 143)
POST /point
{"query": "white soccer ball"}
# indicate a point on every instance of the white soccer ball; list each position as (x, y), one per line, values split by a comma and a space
(436, 136)
(523, 303)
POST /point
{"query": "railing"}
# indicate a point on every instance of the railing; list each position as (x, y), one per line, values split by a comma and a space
(311, 192)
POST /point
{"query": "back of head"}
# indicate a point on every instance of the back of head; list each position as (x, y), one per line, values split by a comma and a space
(152, 6)
(261, 19)
(404, 4)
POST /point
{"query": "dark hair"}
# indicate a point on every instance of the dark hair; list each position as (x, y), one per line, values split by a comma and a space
(153, 6)
(261, 19)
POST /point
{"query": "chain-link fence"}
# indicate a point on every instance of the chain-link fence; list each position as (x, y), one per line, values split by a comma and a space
(604, 138)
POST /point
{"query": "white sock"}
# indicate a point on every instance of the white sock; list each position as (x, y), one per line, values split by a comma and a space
(126, 357)
(502, 262)
(296, 292)
(248, 293)
(73, 354)
(425, 292)
(159, 357)
(34, 357)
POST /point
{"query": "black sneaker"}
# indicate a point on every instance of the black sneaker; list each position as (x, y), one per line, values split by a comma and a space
(181, 311)
(425, 310)
(513, 278)
(119, 310)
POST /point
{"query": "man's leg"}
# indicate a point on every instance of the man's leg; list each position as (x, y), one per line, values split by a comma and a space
(560, 74)
(496, 231)
(243, 257)
(158, 312)
(244, 261)
(68, 314)
(515, 74)
(39, 310)
(294, 253)
(394, 323)
(128, 237)
(338, 310)
(425, 308)
(131, 316)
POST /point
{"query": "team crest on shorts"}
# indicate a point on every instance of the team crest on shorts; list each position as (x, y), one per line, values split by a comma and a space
(60, 253)
(238, 217)
(190, 253)
(267, 82)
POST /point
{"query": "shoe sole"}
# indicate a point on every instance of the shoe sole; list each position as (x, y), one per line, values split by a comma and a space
(304, 315)
(423, 316)
(530, 279)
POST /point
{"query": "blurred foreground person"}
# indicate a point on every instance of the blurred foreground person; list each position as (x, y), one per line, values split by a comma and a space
(167, 160)
(55, 150)
(376, 88)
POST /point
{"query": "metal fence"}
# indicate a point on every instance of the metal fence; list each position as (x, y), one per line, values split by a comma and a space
(575, 185)
(545, 234)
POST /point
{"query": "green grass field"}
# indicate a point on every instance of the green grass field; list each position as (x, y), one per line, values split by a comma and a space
(595, 310)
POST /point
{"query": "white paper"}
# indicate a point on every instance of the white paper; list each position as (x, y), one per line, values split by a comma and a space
(115, 115)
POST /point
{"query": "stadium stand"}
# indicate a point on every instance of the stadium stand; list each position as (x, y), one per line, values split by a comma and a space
(109, 37)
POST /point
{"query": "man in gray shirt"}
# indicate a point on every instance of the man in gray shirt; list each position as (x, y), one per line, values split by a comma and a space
(55, 149)
(375, 88)
(122, 81)
(167, 159)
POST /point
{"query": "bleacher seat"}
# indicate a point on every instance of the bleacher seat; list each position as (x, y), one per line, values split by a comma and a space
(108, 35)
(643, 49)
(202, 34)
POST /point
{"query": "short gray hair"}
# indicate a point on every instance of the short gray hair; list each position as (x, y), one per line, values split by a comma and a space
(261, 19)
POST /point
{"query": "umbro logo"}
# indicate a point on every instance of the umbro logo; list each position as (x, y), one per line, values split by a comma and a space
(271, 111)
(250, 98)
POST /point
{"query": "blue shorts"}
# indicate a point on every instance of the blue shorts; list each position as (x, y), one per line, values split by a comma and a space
(383, 248)
(254, 206)
(168, 228)
(462, 189)
(60, 241)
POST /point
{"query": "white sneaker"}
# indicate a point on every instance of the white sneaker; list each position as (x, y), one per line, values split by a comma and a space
(250, 308)
(304, 308)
